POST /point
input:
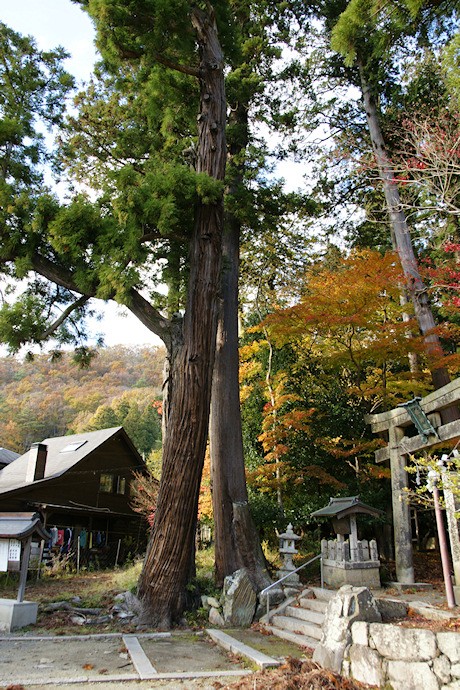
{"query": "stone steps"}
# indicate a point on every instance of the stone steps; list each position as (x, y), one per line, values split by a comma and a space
(305, 614)
(313, 604)
(297, 625)
(323, 594)
(301, 640)
(301, 620)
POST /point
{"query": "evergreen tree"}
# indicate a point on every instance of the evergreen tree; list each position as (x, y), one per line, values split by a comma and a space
(158, 217)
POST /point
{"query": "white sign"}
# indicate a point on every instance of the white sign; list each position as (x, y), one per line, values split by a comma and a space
(14, 551)
(4, 555)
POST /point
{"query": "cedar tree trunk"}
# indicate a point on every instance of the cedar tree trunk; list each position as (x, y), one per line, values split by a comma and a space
(237, 542)
(169, 559)
(236, 539)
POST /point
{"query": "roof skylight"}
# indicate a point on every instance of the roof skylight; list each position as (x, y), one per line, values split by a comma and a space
(71, 447)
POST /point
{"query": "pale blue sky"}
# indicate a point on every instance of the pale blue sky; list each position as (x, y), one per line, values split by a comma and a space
(53, 23)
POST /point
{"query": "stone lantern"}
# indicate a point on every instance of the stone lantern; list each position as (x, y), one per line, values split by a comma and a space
(287, 551)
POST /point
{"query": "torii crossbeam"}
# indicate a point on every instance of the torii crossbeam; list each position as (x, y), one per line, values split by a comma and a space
(394, 423)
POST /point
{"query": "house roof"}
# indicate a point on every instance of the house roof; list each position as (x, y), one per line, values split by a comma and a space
(7, 456)
(63, 453)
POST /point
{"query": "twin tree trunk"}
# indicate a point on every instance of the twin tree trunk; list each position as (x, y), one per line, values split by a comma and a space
(170, 555)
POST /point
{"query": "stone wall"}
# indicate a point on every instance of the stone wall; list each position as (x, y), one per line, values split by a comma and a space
(401, 658)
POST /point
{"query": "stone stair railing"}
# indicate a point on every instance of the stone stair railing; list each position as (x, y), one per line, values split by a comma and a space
(266, 592)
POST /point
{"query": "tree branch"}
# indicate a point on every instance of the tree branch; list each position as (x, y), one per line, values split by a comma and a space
(151, 317)
(72, 307)
(185, 69)
(59, 275)
(138, 305)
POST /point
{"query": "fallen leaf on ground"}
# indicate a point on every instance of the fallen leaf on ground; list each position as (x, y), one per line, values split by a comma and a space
(296, 674)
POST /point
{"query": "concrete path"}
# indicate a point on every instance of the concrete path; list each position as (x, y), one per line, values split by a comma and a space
(115, 658)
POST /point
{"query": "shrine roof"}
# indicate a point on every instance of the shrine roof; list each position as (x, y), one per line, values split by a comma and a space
(347, 505)
(21, 525)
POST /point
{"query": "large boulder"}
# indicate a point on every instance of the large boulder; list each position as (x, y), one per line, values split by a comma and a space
(350, 604)
(238, 599)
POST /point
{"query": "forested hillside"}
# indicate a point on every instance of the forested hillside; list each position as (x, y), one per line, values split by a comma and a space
(43, 398)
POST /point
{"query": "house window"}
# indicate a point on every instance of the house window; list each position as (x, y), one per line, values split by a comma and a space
(121, 485)
(106, 483)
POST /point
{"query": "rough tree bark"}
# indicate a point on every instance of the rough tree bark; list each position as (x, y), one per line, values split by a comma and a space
(402, 242)
(168, 563)
(237, 543)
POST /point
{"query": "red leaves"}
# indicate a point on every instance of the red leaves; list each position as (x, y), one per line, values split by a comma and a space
(158, 405)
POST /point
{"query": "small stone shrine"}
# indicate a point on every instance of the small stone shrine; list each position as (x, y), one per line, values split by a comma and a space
(348, 561)
(287, 551)
(16, 532)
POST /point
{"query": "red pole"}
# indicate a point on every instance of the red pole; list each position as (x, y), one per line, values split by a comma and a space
(443, 548)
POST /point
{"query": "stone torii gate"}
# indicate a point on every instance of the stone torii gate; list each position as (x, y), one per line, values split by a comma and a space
(394, 424)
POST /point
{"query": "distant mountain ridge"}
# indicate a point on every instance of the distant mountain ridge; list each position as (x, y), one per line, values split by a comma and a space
(43, 398)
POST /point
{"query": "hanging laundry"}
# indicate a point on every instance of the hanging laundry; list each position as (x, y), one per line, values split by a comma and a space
(67, 539)
(83, 538)
(54, 535)
(60, 538)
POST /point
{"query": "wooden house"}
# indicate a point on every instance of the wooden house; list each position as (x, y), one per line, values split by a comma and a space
(80, 485)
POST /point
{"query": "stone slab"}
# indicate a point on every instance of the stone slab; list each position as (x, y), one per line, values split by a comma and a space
(138, 657)
(405, 675)
(402, 644)
(236, 647)
(15, 615)
(449, 644)
(404, 586)
(366, 665)
(392, 608)
(431, 612)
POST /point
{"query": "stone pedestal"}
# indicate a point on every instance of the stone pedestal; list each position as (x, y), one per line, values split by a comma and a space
(292, 580)
(15, 615)
(355, 564)
(366, 574)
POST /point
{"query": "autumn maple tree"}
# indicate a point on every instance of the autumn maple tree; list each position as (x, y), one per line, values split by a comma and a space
(339, 353)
